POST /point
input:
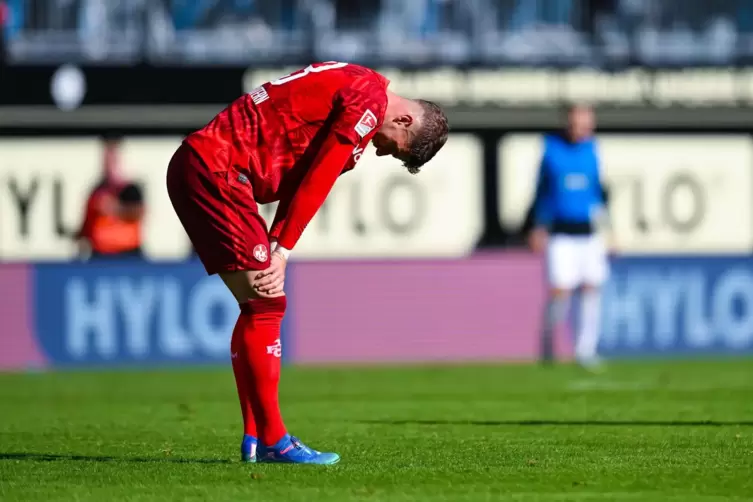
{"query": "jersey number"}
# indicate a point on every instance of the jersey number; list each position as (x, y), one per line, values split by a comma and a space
(309, 69)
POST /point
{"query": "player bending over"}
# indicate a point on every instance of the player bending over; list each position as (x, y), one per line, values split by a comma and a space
(286, 141)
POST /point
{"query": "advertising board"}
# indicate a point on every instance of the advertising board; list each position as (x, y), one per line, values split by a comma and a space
(44, 185)
(670, 194)
(129, 313)
(486, 308)
(377, 210)
(672, 306)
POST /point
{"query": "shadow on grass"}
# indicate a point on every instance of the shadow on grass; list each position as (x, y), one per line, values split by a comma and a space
(543, 423)
(47, 457)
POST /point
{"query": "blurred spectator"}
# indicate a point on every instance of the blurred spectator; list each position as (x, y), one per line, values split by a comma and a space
(594, 17)
(4, 22)
(408, 31)
(412, 20)
(548, 12)
(360, 14)
(114, 212)
(744, 16)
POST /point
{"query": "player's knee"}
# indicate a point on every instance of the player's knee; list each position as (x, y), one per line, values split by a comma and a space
(256, 294)
(242, 284)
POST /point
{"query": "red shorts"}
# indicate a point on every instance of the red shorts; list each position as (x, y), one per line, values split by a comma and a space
(219, 214)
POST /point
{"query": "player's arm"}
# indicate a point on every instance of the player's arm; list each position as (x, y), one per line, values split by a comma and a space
(542, 210)
(332, 157)
(281, 216)
(542, 204)
(313, 190)
(95, 205)
(88, 223)
(604, 221)
(348, 130)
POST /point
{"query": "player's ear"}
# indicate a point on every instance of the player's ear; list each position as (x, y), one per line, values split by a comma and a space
(404, 120)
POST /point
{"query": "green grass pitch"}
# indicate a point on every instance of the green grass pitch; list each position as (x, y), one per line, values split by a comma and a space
(658, 431)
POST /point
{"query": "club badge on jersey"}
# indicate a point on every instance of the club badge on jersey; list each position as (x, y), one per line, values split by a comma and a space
(260, 253)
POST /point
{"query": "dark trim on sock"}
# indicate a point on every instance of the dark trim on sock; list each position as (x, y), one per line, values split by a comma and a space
(265, 305)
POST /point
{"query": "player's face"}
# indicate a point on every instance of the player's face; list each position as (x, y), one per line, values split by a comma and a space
(581, 123)
(393, 139)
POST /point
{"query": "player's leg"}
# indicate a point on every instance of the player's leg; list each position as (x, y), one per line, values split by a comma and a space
(260, 322)
(561, 279)
(196, 197)
(219, 214)
(588, 329)
(242, 374)
(257, 338)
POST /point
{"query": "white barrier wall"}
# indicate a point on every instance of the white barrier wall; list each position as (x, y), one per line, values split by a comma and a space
(377, 210)
(668, 193)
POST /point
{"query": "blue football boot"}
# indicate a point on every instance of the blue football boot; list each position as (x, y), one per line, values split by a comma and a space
(248, 448)
(289, 450)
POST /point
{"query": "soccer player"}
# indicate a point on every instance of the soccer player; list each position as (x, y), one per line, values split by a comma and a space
(570, 202)
(287, 140)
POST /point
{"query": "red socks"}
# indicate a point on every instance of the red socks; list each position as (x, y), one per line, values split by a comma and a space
(243, 379)
(256, 355)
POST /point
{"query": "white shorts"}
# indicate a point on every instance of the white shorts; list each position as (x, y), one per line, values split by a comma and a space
(576, 260)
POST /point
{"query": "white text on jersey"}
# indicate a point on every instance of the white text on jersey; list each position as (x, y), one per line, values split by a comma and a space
(259, 95)
(357, 152)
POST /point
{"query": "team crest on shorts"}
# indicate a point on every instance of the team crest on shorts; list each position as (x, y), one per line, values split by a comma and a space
(260, 253)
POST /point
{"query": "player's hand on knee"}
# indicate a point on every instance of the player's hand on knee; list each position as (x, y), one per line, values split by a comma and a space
(272, 280)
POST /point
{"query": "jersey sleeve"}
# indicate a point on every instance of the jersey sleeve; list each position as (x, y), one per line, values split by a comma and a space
(281, 216)
(312, 192)
(360, 111)
(356, 116)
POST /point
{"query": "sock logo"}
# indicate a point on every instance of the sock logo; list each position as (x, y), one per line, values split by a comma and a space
(275, 349)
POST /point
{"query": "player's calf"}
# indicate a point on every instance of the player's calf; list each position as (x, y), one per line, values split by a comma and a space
(555, 314)
(257, 347)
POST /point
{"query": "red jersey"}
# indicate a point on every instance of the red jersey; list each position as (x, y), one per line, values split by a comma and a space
(294, 136)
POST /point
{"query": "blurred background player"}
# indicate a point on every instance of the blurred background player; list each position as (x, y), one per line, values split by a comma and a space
(287, 140)
(569, 203)
(114, 212)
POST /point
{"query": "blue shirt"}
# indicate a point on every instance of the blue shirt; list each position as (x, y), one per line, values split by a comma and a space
(569, 194)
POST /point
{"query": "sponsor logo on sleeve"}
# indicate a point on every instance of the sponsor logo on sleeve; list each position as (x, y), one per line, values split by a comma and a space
(357, 152)
(367, 123)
